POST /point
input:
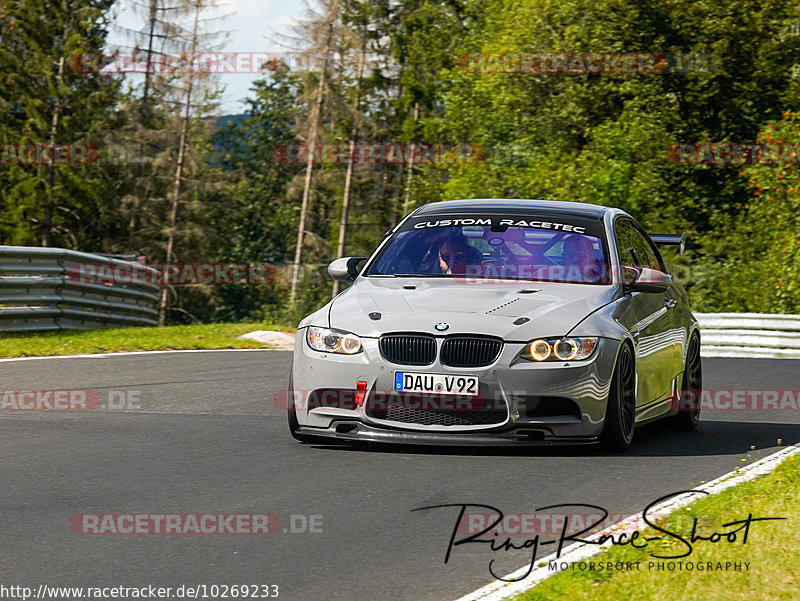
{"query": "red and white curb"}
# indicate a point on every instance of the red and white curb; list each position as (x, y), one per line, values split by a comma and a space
(280, 341)
(498, 589)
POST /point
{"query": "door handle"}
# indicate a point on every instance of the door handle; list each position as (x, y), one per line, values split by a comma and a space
(670, 302)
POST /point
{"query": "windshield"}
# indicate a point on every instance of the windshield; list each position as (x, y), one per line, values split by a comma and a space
(497, 248)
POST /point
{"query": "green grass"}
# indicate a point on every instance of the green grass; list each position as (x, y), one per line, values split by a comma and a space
(771, 549)
(74, 342)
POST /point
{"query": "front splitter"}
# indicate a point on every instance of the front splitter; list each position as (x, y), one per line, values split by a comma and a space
(361, 432)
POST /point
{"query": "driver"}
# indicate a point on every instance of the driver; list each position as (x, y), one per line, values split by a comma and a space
(454, 254)
(580, 259)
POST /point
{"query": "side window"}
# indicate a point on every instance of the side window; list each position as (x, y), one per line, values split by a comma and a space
(647, 252)
(656, 262)
(623, 229)
(634, 247)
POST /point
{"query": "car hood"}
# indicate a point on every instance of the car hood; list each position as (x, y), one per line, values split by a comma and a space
(418, 304)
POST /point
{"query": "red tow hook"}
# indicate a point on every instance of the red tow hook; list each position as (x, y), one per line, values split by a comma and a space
(361, 392)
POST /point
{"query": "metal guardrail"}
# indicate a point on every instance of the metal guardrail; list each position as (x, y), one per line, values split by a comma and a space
(42, 289)
(757, 335)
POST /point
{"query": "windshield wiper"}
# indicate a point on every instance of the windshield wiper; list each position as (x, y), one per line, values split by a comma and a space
(421, 275)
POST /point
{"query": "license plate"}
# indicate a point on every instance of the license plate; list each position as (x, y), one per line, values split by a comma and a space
(406, 381)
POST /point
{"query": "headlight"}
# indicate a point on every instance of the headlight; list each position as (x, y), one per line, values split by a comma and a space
(559, 349)
(328, 340)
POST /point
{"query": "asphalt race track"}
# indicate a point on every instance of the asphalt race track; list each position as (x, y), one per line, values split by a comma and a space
(200, 433)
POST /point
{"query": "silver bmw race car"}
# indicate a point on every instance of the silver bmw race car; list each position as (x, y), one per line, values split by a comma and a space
(500, 322)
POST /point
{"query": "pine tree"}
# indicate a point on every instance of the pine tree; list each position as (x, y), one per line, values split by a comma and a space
(48, 101)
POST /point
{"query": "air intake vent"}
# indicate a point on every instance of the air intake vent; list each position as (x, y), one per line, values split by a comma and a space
(437, 409)
(443, 418)
(408, 349)
(470, 351)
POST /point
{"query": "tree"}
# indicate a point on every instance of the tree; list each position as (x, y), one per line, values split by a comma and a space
(326, 22)
(48, 102)
(193, 100)
(160, 38)
(260, 219)
(348, 179)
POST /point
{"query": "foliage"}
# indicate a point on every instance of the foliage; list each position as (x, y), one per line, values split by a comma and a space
(590, 137)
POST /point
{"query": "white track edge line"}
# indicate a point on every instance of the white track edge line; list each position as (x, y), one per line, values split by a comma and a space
(497, 590)
(126, 353)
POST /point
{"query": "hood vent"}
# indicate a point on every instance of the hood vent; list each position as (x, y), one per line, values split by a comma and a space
(518, 307)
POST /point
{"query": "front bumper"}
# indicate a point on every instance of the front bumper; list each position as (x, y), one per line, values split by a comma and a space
(541, 403)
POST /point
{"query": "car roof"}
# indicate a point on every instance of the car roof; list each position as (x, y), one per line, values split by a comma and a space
(514, 205)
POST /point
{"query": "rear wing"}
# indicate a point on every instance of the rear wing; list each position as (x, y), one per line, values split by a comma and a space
(678, 240)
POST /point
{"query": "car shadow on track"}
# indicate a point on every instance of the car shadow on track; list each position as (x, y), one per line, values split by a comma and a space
(710, 438)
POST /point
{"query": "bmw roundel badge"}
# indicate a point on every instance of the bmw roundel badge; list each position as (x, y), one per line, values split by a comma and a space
(441, 327)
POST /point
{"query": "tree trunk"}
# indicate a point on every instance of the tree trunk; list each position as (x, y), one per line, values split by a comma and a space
(407, 193)
(348, 178)
(144, 120)
(150, 40)
(176, 191)
(310, 148)
(47, 224)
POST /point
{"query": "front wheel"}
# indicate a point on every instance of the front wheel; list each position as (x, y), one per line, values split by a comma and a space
(621, 408)
(292, 415)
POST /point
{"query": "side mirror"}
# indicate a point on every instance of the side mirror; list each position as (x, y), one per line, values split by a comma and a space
(345, 269)
(644, 279)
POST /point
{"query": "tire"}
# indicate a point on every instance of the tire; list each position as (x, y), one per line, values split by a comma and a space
(292, 415)
(687, 418)
(619, 422)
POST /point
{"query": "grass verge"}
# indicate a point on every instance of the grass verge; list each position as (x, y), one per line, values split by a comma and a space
(770, 548)
(78, 342)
